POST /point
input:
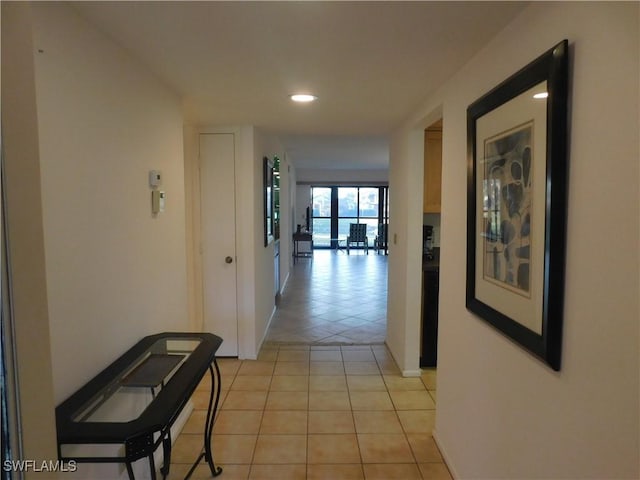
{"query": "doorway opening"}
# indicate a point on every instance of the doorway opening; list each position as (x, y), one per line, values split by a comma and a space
(333, 298)
(431, 244)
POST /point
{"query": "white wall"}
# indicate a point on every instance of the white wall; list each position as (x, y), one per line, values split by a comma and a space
(265, 145)
(287, 195)
(405, 250)
(114, 272)
(335, 176)
(195, 299)
(501, 412)
(292, 182)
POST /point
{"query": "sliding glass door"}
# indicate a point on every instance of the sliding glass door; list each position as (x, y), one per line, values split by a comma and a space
(321, 225)
(347, 210)
(335, 207)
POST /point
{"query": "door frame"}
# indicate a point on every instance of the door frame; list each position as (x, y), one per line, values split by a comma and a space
(245, 233)
(249, 236)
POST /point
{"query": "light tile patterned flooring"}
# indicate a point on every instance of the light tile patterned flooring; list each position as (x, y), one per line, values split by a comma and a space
(325, 399)
(317, 412)
(333, 298)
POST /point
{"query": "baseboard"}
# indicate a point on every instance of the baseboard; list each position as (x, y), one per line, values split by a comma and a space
(264, 335)
(405, 373)
(445, 455)
(284, 283)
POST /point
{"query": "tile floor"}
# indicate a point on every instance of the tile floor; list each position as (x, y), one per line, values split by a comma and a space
(325, 399)
(333, 299)
(317, 412)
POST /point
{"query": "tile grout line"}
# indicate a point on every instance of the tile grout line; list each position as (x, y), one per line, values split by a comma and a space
(349, 390)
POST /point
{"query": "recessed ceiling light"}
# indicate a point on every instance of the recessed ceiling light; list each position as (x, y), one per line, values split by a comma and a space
(541, 95)
(303, 97)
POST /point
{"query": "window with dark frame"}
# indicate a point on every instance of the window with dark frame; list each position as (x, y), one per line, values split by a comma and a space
(336, 207)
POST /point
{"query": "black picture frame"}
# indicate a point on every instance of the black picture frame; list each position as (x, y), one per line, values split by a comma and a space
(268, 200)
(516, 205)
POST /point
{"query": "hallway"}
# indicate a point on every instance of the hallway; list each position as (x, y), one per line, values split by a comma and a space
(324, 399)
(333, 299)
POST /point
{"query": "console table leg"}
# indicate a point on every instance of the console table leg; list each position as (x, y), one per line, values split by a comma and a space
(166, 455)
(216, 384)
(152, 467)
(130, 471)
(214, 399)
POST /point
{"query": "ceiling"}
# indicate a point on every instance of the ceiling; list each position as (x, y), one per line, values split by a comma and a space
(371, 64)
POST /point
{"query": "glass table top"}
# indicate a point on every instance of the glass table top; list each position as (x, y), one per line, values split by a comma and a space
(128, 395)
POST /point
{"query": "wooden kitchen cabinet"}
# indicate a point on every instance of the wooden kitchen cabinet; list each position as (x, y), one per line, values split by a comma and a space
(432, 170)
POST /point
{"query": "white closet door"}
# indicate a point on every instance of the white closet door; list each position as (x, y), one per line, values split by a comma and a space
(218, 220)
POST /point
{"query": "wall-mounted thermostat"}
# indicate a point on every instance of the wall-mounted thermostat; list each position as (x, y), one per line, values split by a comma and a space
(157, 201)
(155, 178)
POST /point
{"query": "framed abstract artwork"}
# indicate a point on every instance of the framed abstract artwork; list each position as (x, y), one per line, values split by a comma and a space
(516, 204)
(267, 168)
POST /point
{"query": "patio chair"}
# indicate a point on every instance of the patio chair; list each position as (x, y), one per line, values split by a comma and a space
(380, 242)
(358, 235)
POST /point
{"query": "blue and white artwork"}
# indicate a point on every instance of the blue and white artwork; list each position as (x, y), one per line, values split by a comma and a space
(507, 208)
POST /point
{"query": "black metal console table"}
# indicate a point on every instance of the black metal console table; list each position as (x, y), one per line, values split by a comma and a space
(134, 402)
(302, 237)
